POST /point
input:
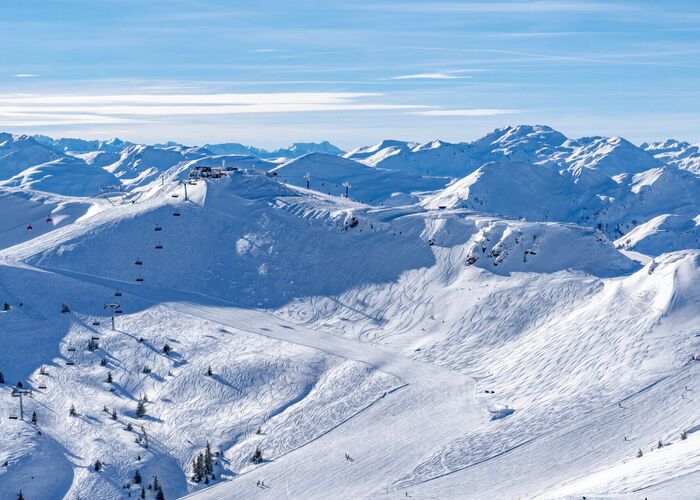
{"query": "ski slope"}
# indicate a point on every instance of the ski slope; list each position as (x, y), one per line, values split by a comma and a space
(482, 339)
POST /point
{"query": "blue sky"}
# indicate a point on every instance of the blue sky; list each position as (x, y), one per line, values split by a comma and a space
(354, 72)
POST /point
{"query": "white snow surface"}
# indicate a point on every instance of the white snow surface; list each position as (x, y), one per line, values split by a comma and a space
(509, 318)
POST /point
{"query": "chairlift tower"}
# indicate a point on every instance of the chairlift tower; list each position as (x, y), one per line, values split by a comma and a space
(18, 393)
(184, 183)
(308, 180)
(347, 187)
(112, 306)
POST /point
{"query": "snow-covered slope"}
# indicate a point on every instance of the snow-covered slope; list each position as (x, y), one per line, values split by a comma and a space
(368, 184)
(67, 176)
(20, 152)
(678, 153)
(468, 342)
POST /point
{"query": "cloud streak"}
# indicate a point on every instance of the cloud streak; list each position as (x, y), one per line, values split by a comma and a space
(467, 112)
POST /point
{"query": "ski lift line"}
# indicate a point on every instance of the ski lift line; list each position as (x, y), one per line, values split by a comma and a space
(25, 224)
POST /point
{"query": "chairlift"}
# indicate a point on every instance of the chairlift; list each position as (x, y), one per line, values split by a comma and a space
(175, 195)
(49, 220)
(95, 338)
(29, 227)
(119, 311)
(42, 386)
(71, 349)
(138, 262)
(158, 228)
(14, 417)
(95, 323)
(117, 293)
(70, 363)
(139, 279)
(159, 246)
(176, 213)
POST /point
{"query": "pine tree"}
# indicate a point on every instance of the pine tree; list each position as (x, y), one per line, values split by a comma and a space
(2, 377)
(65, 308)
(109, 377)
(34, 417)
(6, 307)
(72, 411)
(660, 444)
(129, 427)
(257, 456)
(684, 435)
(208, 462)
(156, 484)
(639, 453)
(166, 349)
(98, 466)
(209, 372)
(140, 409)
(20, 496)
(114, 414)
(198, 468)
(137, 477)
(143, 493)
(160, 495)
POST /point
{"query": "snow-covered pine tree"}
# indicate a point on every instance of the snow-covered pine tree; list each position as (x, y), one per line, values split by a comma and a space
(109, 378)
(2, 377)
(208, 461)
(72, 411)
(140, 409)
(34, 417)
(160, 495)
(98, 466)
(639, 453)
(137, 477)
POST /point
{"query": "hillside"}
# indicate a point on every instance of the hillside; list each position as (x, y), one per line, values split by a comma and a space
(519, 328)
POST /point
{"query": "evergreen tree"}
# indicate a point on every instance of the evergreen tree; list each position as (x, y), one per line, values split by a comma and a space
(257, 456)
(684, 435)
(65, 308)
(20, 496)
(6, 307)
(209, 372)
(143, 493)
(208, 461)
(98, 466)
(114, 414)
(109, 377)
(160, 495)
(2, 377)
(639, 453)
(72, 411)
(156, 484)
(660, 444)
(137, 477)
(166, 349)
(129, 427)
(34, 417)
(140, 409)
(198, 468)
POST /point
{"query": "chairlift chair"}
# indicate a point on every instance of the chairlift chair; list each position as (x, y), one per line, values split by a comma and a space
(71, 349)
(14, 417)
(95, 338)
(29, 227)
(139, 279)
(95, 323)
(42, 386)
(138, 262)
(49, 220)
(117, 293)
(176, 213)
(158, 228)
(159, 246)
(175, 195)
(70, 363)
(119, 311)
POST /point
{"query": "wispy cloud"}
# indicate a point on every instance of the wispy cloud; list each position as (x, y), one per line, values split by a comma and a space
(429, 76)
(25, 75)
(533, 7)
(467, 112)
(44, 109)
